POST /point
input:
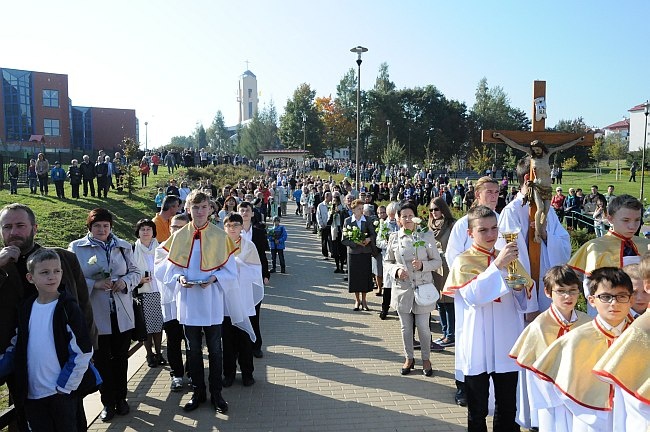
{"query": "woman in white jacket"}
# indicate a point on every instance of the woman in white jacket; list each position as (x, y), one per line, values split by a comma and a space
(411, 265)
(107, 264)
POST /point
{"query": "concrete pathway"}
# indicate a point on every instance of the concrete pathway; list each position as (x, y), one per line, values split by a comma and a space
(325, 368)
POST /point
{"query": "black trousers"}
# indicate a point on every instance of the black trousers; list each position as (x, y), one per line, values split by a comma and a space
(58, 185)
(53, 413)
(174, 331)
(326, 241)
(89, 183)
(280, 253)
(42, 183)
(112, 362)
(477, 390)
(255, 322)
(385, 299)
(75, 189)
(194, 338)
(237, 346)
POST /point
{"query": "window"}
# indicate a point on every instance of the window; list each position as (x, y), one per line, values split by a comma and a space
(250, 93)
(51, 127)
(51, 98)
(17, 97)
(250, 109)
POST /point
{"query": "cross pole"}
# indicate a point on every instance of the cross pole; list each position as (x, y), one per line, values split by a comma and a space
(538, 132)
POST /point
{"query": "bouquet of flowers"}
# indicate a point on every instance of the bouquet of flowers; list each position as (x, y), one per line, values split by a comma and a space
(101, 274)
(354, 234)
(272, 233)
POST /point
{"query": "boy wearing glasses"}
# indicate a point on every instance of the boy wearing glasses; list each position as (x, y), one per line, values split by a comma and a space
(562, 286)
(575, 399)
(237, 345)
(625, 365)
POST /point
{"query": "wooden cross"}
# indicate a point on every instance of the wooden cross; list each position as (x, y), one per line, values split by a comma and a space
(538, 132)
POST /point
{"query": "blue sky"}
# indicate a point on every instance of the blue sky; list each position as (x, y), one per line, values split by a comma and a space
(177, 63)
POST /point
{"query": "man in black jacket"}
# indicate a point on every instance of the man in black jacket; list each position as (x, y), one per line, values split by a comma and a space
(19, 228)
(88, 175)
(258, 237)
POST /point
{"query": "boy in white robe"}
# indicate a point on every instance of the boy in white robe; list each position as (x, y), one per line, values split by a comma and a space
(487, 194)
(578, 400)
(237, 345)
(200, 273)
(562, 286)
(489, 319)
(625, 365)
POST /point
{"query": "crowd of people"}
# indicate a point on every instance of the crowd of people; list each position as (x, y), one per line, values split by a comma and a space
(198, 268)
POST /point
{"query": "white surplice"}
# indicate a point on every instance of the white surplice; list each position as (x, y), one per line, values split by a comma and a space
(556, 250)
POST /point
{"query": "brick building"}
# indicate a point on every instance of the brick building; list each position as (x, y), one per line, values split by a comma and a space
(38, 104)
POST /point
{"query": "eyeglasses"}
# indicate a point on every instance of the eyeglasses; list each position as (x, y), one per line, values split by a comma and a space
(177, 226)
(608, 298)
(569, 293)
(435, 209)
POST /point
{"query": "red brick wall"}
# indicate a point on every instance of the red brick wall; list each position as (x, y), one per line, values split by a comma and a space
(48, 81)
(110, 126)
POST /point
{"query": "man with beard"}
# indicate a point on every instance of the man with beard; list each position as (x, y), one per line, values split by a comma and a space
(18, 224)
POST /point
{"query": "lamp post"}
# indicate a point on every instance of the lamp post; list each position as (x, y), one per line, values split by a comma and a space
(646, 110)
(358, 50)
(388, 124)
(146, 136)
(304, 131)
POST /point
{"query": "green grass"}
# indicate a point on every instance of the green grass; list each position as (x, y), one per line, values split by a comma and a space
(586, 178)
(62, 221)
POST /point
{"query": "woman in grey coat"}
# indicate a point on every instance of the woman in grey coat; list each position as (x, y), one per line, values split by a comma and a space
(107, 264)
(410, 266)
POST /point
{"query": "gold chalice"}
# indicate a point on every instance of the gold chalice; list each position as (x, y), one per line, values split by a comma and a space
(513, 279)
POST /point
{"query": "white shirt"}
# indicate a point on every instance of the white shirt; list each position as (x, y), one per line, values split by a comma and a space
(43, 367)
(459, 240)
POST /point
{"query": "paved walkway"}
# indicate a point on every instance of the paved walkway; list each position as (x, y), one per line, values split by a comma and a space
(326, 367)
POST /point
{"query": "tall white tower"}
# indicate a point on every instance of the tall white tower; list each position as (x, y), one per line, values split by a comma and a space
(247, 96)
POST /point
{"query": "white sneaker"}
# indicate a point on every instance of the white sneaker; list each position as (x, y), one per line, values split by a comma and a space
(177, 384)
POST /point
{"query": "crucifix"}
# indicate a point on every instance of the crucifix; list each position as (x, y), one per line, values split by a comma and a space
(539, 144)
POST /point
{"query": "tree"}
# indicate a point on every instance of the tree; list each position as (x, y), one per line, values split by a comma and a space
(383, 84)
(617, 148)
(580, 153)
(200, 137)
(346, 102)
(393, 154)
(130, 151)
(338, 128)
(492, 109)
(291, 130)
(181, 142)
(217, 134)
(598, 151)
(481, 159)
(260, 134)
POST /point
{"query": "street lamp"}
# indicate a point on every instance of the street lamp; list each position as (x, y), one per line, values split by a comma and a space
(388, 139)
(358, 50)
(646, 110)
(304, 131)
(146, 136)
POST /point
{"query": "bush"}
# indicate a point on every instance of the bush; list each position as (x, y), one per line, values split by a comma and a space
(220, 175)
(570, 164)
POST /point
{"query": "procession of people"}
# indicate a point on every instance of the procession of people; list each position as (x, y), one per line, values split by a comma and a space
(198, 267)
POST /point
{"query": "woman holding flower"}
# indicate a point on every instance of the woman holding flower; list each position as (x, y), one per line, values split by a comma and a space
(107, 264)
(338, 213)
(359, 237)
(411, 258)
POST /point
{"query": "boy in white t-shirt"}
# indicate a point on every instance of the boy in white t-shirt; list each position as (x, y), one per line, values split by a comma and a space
(51, 351)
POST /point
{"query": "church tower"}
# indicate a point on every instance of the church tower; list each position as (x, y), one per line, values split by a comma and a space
(247, 96)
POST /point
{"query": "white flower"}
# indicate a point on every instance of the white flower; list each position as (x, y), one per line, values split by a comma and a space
(417, 220)
(376, 223)
(92, 260)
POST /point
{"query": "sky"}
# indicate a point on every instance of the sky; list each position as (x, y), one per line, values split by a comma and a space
(178, 63)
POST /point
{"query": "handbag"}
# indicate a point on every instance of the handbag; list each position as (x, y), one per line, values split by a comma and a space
(139, 332)
(426, 294)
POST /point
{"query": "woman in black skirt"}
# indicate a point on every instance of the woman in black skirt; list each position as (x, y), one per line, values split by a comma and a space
(338, 214)
(359, 255)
